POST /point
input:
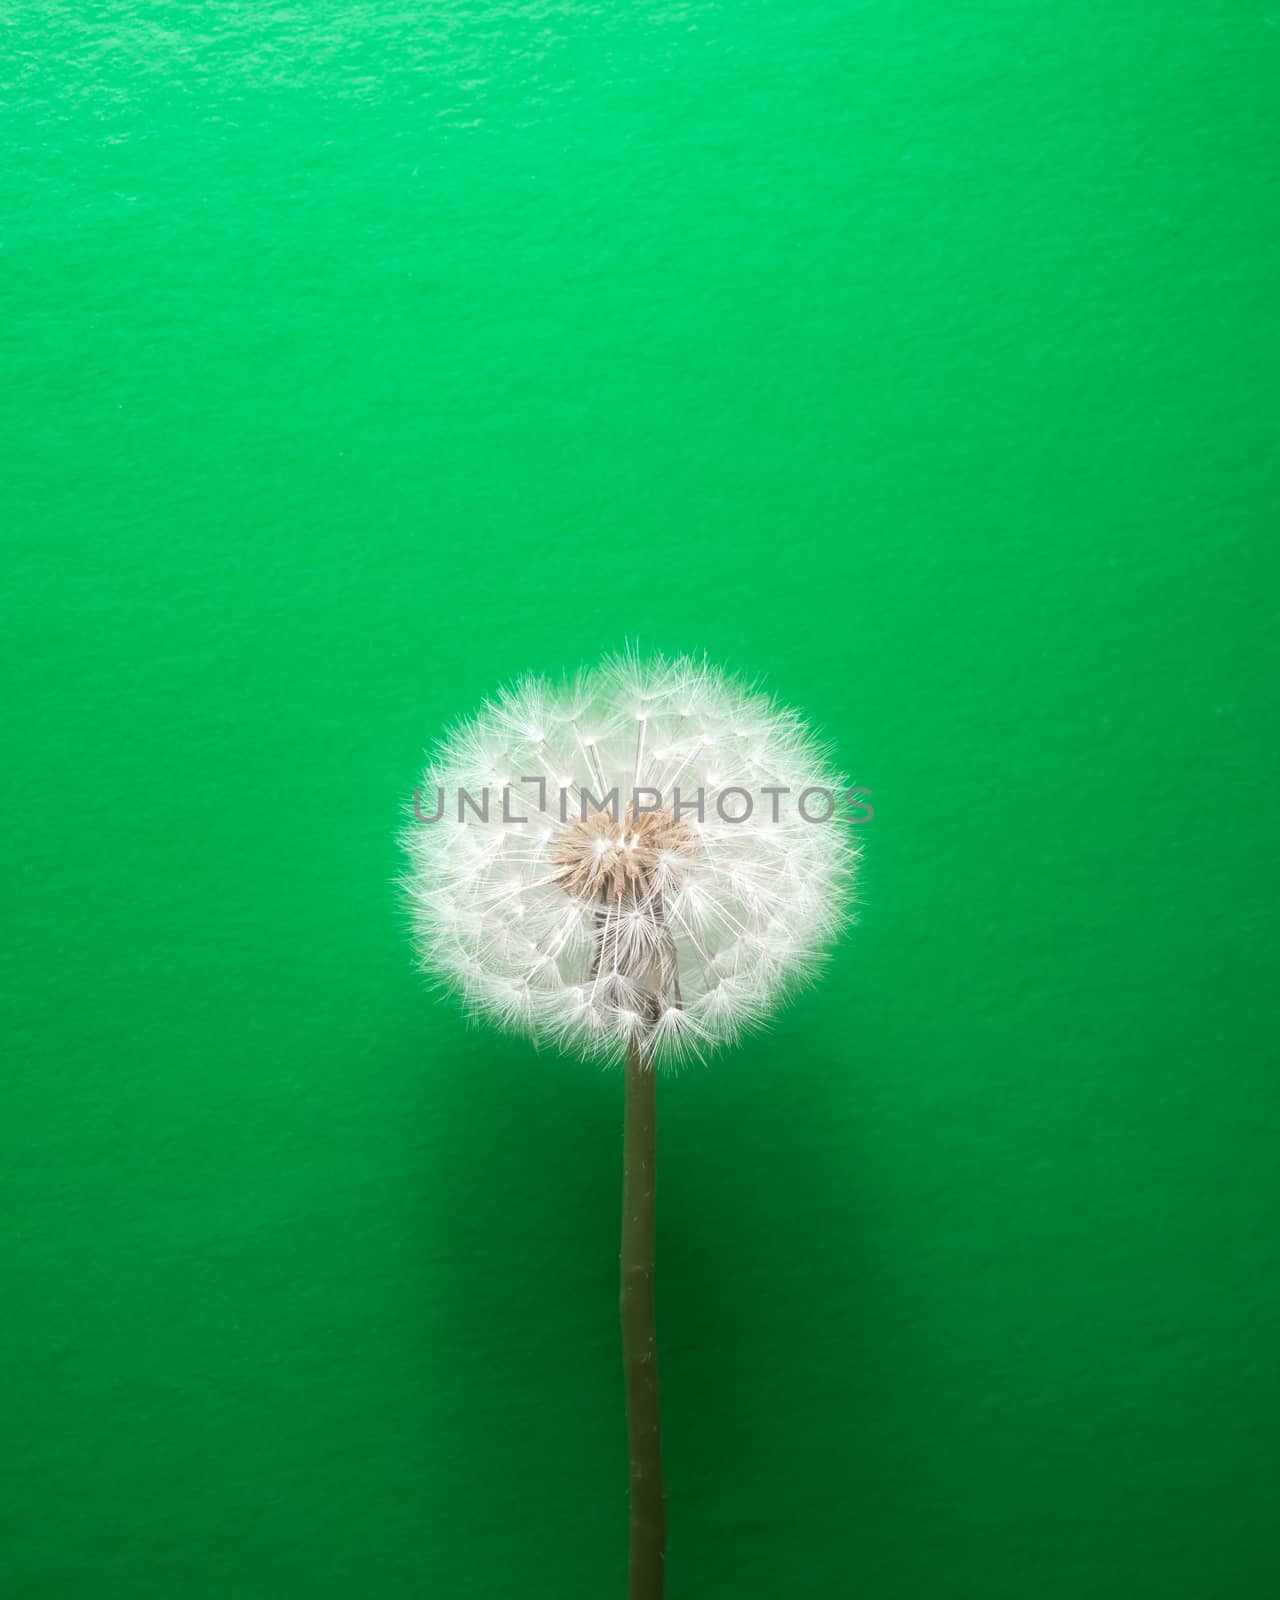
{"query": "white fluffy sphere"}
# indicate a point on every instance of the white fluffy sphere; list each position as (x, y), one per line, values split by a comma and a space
(654, 920)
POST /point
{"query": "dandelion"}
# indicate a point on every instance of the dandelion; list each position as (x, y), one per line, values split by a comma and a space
(637, 866)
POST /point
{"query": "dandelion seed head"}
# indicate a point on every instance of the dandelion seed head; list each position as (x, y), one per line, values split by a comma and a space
(594, 927)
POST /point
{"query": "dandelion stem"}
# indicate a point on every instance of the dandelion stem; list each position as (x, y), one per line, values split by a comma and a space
(639, 1344)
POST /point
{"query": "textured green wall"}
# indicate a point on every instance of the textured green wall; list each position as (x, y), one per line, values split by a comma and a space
(922, 359)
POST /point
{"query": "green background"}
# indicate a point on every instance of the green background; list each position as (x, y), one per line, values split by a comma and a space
(921, 359)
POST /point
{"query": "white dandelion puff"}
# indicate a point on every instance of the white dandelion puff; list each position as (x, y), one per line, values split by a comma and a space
(649, 858)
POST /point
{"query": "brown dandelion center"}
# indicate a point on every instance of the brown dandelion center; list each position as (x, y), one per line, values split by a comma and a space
(598, 858)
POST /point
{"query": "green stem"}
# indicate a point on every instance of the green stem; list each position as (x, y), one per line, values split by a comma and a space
(639, 1342)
